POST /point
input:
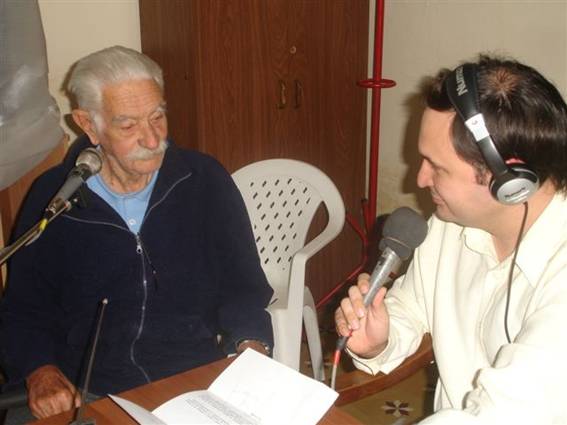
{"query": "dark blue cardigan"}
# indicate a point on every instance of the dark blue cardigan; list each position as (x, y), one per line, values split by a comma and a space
(191, 274)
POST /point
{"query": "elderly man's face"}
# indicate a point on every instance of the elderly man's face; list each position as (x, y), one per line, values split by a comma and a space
(131, 129)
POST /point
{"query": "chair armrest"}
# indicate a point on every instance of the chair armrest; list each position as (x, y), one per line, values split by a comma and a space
(328, 234)
(355, 385)
(10, 399)
(300, 258)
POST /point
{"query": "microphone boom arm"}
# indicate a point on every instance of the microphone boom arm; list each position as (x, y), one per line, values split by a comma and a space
(89, 162)
(32, 234)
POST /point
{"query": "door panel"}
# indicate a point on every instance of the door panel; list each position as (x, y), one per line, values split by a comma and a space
(255, 79)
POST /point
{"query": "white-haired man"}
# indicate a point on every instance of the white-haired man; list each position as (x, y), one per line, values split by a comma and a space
(164, 236)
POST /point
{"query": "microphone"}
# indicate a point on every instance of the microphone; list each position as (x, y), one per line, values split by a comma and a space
(79, 420)
(89, 163)
(404, 230)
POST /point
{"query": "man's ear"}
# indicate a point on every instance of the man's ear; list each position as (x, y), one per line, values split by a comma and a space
(84, 120)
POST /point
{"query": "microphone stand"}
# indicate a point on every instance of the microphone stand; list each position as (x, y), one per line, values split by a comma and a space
(79, 420)
(32, 234)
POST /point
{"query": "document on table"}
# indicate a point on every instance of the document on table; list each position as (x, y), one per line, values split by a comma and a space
(253, 390)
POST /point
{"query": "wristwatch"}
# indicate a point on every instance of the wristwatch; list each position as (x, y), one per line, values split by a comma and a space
(252, 341)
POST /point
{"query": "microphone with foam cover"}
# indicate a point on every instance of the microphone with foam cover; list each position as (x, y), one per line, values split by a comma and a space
(89, 163)
(404, 230)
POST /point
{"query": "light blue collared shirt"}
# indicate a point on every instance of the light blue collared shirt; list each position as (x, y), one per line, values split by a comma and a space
(130, 206)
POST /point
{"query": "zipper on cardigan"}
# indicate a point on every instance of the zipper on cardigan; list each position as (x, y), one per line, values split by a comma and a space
(143, 254)
(140, 251)
(139, 244)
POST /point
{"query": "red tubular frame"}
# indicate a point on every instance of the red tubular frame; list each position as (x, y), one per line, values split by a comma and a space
(376, 83)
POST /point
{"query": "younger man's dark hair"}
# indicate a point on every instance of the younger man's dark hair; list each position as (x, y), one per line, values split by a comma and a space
(524, 113)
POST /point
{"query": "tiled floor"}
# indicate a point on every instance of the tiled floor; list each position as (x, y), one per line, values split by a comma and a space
(405, 403)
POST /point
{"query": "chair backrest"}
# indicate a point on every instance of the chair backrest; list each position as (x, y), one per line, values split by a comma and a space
(282, 196)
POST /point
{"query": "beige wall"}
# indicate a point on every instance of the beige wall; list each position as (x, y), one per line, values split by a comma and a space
(74, 28)
(422, 36)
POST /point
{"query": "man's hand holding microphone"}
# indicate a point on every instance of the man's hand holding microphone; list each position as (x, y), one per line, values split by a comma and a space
(362, 320)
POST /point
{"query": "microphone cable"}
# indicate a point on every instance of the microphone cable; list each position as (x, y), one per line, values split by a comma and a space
(342, 342)
(404, 230)
(337, 358)
(511, 272)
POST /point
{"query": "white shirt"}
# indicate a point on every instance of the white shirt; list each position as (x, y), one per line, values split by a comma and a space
(455, 288)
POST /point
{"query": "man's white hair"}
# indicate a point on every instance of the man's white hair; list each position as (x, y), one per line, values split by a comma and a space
(109, 66)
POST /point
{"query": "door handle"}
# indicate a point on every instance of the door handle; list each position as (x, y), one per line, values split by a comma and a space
(298, 94)
(283, 98)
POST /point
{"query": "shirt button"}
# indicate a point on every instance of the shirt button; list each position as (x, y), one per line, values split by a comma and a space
(131, 222)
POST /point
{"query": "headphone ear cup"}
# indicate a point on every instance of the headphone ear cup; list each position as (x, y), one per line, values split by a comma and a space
(514, 186)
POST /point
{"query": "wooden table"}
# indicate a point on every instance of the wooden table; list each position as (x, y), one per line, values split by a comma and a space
(150, 396)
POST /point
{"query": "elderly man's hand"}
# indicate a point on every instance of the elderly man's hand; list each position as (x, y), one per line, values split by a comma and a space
(255, 345)
(50, 392)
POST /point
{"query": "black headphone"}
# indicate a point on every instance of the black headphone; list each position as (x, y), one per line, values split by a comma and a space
(511, 183)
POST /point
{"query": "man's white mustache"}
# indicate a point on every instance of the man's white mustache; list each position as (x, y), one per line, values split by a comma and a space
(142, 153)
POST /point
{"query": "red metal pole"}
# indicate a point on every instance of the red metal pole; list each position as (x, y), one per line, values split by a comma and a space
(376, 83)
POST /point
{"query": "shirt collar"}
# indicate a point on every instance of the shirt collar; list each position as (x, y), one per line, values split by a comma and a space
(479, 241)
(142, 195)
(538, 245)
(542, 240)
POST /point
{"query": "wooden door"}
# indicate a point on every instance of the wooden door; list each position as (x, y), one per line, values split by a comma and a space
(253, 79)
(326, 119)
(218, 71)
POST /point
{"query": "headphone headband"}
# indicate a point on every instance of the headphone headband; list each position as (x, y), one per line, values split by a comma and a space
(462, 91)
(510, 184)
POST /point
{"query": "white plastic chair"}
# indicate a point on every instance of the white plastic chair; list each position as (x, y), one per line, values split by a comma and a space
(282, 196)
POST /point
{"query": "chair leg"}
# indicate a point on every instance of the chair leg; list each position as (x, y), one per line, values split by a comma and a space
(313, 336)
(287, 336)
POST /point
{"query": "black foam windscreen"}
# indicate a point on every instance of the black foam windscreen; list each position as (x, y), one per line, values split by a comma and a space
(404, 230)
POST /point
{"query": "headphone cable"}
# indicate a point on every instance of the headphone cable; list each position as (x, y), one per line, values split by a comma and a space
(337, 354)
(511, 272)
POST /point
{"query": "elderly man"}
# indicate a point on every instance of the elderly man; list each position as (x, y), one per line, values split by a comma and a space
(490, 280)
(164, 236)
